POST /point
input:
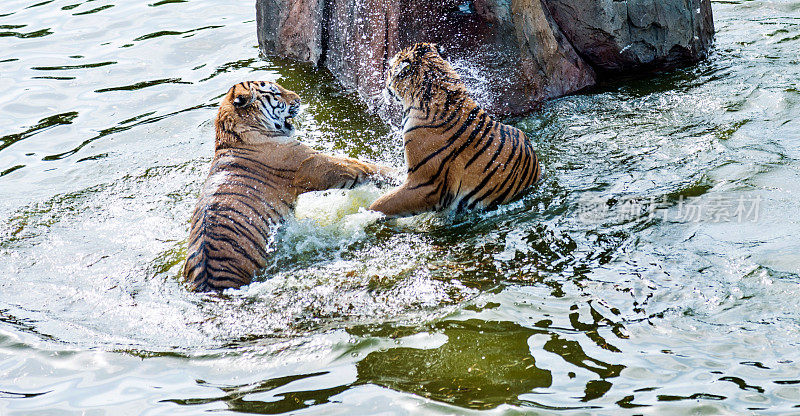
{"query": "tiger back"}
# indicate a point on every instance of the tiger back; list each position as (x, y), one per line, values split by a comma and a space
(458, 157)
(256, 174)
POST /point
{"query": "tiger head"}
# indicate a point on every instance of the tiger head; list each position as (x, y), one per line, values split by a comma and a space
(254, 112)
(418, 74)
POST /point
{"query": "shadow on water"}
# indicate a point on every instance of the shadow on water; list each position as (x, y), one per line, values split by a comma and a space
(22, 35)
(282, 402)
(144, 84)
(42, 126)
(120, 128)
(172, 33)
(481, 365)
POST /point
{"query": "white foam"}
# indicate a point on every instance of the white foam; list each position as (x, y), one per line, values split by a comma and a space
(515, 243)
(331, 218)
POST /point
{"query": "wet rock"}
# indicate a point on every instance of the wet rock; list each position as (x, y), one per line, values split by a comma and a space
(512, 64)
(511, 53)
(361, 36)
(622, 36)
(291, 28)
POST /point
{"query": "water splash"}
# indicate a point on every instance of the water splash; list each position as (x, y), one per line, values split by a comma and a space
(474, 77)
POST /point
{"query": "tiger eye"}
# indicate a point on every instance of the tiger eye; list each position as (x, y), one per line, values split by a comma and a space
(239, 101)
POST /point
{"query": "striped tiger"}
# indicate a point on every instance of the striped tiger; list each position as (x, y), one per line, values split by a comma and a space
(257, 173)
(458, 157)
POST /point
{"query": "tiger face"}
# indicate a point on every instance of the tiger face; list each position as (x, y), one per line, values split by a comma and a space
(417, 73)
(254, 111)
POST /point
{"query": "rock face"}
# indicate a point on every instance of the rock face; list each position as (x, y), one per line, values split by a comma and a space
(622, 36)
(523, 60)
(512, 53)
(361, 36)
(291, 28)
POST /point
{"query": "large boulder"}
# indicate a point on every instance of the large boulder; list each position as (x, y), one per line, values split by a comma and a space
(633, 35)
(512, 53)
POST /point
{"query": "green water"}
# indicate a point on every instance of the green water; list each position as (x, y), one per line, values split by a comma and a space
(655, 270)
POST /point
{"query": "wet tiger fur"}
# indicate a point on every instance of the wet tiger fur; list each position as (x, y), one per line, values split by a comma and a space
(459, 158)
(257, 173)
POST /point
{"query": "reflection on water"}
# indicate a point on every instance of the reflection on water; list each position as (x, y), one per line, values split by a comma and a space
(576, 298)
(472, 364)
(480, 366)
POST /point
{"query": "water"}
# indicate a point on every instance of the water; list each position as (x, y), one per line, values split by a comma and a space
(654, 271)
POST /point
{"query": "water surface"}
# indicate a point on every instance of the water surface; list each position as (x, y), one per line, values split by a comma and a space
(654, 270)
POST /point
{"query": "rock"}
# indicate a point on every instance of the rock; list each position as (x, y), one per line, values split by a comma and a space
(623, 36)
(510, 64)
(511, 53)
(361, 37)
(291, 29)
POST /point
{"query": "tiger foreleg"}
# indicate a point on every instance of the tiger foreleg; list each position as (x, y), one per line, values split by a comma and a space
(405, 201)
(370, 172)
(320, 172)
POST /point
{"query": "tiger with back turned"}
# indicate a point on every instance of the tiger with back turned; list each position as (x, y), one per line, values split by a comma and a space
(459, 158)
(257, 173)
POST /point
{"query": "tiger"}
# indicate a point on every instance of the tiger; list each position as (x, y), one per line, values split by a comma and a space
(458, 157)
(257, 172)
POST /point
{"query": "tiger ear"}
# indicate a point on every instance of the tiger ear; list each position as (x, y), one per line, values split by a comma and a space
(422, 48)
